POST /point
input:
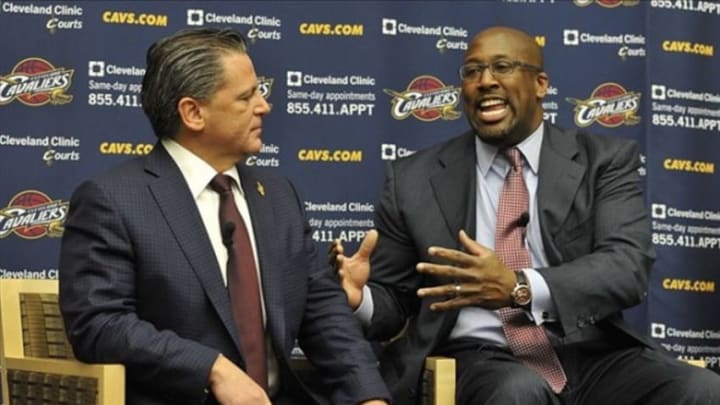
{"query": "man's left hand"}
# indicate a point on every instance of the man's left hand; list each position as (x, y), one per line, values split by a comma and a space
(478, 277)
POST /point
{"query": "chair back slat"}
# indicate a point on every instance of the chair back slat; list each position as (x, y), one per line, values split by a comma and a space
(30, 387)
(43, 329)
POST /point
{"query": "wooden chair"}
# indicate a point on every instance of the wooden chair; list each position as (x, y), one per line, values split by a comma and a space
(438, 383)
(38, 366)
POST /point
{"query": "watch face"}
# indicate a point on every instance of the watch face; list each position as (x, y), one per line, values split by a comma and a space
(521, 295)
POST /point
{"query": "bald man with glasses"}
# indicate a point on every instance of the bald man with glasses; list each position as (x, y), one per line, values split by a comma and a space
(514, 248)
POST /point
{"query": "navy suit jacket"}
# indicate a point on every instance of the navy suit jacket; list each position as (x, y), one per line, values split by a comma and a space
(594, 228)
(140, 285)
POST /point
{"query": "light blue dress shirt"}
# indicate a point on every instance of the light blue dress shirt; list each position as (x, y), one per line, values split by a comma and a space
(491, 169)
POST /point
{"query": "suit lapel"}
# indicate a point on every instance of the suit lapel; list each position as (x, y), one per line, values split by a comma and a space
(263, 222)
(558, 182)
(453, 185)
(172, 195)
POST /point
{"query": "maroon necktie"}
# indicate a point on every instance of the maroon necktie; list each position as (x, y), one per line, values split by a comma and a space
(242, 281)
(527, 341)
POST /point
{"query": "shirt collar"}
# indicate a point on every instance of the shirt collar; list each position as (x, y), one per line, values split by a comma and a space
(529, 147)
(197, 172)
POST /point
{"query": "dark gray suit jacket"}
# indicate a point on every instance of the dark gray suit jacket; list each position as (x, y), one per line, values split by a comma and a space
(594, 229)
(140, 285)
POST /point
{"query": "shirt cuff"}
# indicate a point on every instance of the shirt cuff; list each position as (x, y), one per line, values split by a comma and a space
(364, 311)
(542, 308)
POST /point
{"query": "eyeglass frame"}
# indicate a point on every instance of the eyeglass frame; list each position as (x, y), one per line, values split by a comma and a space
(514, 64)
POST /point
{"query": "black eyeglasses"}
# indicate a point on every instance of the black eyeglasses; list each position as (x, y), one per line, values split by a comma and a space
(501, 67)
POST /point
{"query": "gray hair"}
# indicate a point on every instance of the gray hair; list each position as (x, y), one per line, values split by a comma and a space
(185, 64)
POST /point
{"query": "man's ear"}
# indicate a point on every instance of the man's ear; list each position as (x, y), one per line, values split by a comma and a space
(542, 82)
(191, 114)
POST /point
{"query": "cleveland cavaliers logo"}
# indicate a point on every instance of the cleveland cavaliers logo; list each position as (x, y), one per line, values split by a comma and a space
(427, 99)
(31, 214)
(36, 82)
(265, 86)
(609, 105)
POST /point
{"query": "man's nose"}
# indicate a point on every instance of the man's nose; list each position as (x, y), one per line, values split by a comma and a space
(486, 78)
(263, 107)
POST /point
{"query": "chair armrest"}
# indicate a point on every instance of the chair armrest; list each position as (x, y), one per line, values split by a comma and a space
(697, 363)
(110, 377)
(439, 381)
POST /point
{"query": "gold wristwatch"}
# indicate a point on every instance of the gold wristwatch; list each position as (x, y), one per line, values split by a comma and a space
(521, 294)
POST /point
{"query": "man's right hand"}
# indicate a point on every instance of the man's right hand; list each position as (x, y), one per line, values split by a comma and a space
(232, 386)
(353, 271)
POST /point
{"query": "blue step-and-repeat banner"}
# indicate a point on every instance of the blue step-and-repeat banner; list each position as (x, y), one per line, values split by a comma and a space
(354, 84)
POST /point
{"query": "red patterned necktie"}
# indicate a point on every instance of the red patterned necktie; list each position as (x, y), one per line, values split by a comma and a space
(242, 281)
(527, 341)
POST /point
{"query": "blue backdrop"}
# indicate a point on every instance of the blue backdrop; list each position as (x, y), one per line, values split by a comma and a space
(356, 84)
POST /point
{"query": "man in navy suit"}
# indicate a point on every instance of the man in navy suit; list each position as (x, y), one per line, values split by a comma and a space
(143, 264)
(436, 283)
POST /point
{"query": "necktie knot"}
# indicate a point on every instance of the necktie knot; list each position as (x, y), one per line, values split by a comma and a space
(221, 183)
(513, 156)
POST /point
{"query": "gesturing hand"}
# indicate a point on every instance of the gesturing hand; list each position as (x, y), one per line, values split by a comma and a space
(353, 271)
(475, 277)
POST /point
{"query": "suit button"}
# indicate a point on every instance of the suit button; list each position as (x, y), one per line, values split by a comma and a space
(581, 323)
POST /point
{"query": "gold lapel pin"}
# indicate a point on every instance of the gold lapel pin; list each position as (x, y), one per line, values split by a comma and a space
(260, 189)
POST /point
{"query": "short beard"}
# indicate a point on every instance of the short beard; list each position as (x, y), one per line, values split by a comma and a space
(495, 138)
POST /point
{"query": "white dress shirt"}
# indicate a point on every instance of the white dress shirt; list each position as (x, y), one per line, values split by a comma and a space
(198, 174)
